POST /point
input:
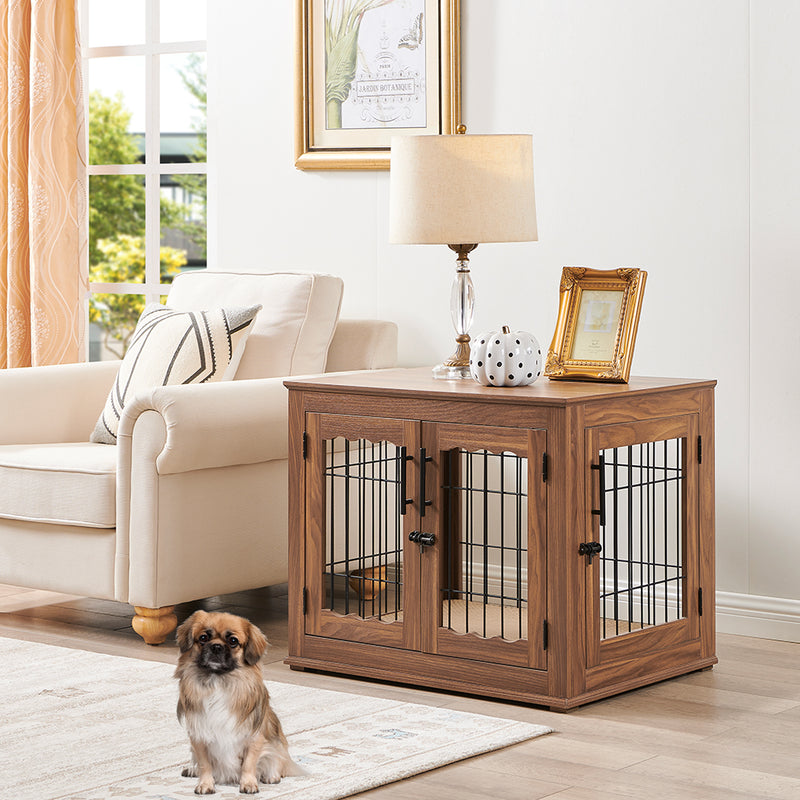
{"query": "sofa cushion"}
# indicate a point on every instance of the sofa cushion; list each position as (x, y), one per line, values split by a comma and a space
(171, 347)
(65, 484)
(294, 329)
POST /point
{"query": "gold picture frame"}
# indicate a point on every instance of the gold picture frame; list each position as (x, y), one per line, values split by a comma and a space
(397, 70)
(598, 314)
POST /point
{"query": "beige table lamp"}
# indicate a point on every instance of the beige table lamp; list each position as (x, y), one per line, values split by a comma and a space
(461, 190)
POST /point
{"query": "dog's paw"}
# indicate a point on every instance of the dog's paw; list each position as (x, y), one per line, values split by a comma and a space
(205, 787)
(190, 772)
(248, 786)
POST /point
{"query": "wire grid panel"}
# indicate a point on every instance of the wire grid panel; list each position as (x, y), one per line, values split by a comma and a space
(363, 541)
(486, 502)
(642, 533)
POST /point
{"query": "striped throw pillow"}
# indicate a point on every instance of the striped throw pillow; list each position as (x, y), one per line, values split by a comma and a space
(171, 347)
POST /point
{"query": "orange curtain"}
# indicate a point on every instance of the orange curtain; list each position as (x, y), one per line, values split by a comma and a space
(43, 280)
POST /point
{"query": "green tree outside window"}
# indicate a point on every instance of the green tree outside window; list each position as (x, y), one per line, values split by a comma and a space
(117, 224)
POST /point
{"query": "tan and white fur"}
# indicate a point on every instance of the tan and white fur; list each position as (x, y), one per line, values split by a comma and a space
(224, 705)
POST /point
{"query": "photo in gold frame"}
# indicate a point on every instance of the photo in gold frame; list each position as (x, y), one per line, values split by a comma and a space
(367, 70)
(598, 315)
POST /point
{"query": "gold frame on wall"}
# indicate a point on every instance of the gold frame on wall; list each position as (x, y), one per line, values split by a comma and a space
(318, 148)
(598, 314)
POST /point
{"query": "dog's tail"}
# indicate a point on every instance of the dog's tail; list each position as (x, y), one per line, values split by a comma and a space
(296, 771)
(276, 763)
(293, 769)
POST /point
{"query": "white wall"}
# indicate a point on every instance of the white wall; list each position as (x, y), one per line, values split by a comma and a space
(664, 138)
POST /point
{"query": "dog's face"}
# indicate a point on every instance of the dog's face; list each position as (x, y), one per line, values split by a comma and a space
(218, 643)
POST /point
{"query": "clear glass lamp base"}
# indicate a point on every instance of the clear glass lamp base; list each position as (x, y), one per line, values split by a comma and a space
(462, 303)
(450, 372)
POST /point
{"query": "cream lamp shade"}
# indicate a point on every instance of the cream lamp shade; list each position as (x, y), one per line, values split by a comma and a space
(462, 189)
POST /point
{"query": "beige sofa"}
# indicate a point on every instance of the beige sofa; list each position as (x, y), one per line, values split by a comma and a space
(192, 501)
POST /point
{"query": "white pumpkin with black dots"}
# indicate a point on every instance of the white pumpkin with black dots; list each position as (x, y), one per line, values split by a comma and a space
(505, 358)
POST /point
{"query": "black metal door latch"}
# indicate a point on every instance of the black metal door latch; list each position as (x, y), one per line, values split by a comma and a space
(422, 539)
(590, 549)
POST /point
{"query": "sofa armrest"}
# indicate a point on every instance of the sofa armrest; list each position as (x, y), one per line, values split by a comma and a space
(362, 344)
(212, 424)
(59, 403)
(177, 446)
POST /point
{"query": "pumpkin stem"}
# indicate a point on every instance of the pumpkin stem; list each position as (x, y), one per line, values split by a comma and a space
(506, 329)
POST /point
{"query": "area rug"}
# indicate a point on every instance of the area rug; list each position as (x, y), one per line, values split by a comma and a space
(82, 726)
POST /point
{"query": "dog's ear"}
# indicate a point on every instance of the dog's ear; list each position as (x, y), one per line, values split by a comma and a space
(184, 634)
(256, 645)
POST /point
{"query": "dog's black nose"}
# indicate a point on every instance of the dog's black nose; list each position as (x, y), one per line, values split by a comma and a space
(216, 648)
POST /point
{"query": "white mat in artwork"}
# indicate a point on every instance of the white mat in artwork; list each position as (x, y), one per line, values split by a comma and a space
(83, 726)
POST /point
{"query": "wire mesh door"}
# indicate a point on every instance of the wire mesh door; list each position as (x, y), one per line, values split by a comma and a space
(642, 556)
(491, 557)
(361, 471)
(364, 546)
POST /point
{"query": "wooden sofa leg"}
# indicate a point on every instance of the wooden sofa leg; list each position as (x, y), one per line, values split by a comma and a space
(154, 624)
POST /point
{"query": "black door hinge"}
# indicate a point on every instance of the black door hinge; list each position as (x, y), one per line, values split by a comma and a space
(545, 635)
(700, 602)
(544, 467)
(699, 449)
(305, 445)
(305, 601)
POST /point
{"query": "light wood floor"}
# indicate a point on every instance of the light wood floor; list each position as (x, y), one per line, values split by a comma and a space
(731, 733)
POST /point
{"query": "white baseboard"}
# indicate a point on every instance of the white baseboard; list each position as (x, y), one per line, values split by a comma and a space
(743, 614)
(762, 617)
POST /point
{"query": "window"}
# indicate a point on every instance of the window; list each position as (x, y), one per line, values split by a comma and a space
(145, 78)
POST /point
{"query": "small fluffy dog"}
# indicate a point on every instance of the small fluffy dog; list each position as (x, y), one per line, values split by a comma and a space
(224, 705)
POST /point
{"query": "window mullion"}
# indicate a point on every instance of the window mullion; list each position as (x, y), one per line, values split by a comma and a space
(116, 169)
(116, 288)
(152, 155)
(144, 49)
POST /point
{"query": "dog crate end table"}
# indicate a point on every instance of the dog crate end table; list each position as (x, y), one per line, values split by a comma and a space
(551, 544)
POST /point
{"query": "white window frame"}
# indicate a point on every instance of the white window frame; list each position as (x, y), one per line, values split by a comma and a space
(152, 169)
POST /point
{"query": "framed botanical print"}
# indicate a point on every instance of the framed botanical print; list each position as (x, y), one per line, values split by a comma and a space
(368, 70)
(598, 314)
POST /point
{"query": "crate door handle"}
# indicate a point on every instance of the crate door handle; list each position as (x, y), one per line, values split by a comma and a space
(404, 499)
(601, 468)
(423, 460)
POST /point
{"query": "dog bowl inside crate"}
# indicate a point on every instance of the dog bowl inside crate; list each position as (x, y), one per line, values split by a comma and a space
(368, 583)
